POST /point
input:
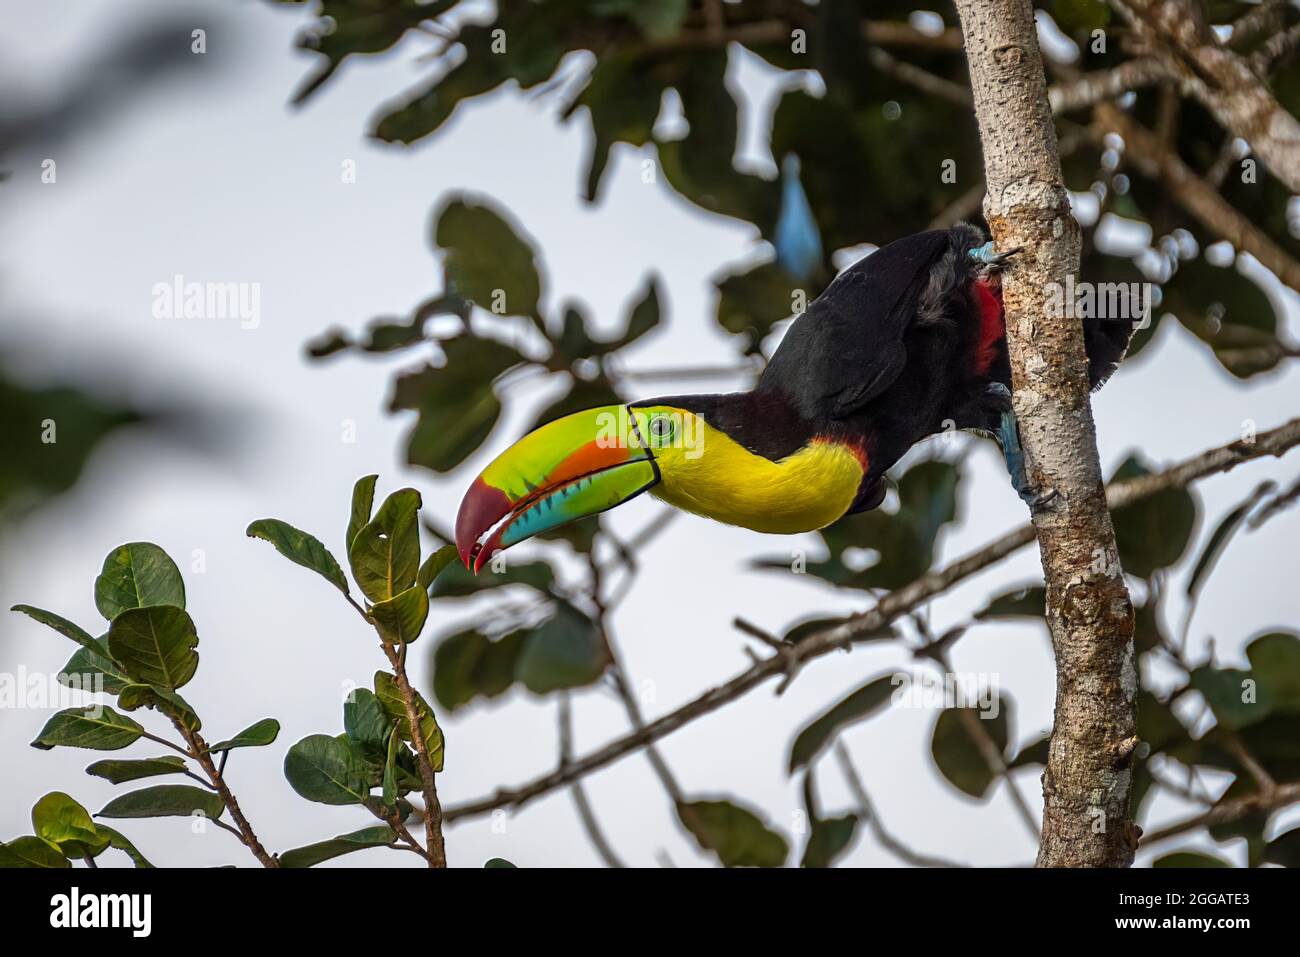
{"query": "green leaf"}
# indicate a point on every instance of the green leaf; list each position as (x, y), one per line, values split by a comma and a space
(94, 727)
(486, 260)
(366, 722)
(300, 548)
(165, 800)
(498, 862)
(566, 651)
(119, 840)
(93, 670)
(1148, 633)
(750, 303)
(1189, 859)
(401, 619)
(390, 769)
(389, 695)
(956, 752)
(327, 771)
(1157, 725)
(1080, 16)
(535, 50)
(313, 854)
(59, 819)
(1222, 534)
(136, 696)
(385, 555)
(363, 503)
(1275, 663)
(581, 395)
(457, 405)
(469, 663)
(31, 852)
(1234, 696)
(433, 566)
(623, 99)
(1028, 601)
(61, 625)
(643, 318)
(859, 705)
(657, 19)
(121, 771)
(136, 575)
(155, 645)
(738, 836)
(574, 341)
(346, 30)
(1227, 310)
(256, 735)
(1153, 533)
(458, 582)
(1035, 752)
(828, 839)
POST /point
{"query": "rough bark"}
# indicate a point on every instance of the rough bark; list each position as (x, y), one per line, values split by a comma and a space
(1086, 820)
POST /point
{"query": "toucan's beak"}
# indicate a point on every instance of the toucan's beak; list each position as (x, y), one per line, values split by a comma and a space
(570, 468)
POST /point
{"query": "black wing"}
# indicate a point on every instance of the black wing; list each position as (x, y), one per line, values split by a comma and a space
(847, 347)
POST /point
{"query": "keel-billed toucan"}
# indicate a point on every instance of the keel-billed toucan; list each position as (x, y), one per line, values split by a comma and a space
(904, 344)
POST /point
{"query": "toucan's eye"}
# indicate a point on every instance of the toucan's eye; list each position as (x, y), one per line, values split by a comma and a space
(661, 429)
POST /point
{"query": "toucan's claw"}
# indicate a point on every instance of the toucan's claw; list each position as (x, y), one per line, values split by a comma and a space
(1008, 436)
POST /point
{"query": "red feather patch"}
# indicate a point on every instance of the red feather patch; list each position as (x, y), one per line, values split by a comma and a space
(988, 296)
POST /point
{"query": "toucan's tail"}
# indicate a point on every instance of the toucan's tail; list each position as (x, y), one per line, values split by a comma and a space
(1106, 341)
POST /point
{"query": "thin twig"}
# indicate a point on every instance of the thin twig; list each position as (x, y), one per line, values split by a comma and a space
(586, 814)
(433, 840)
(867, 811)
(1228, 811)
(198, 750)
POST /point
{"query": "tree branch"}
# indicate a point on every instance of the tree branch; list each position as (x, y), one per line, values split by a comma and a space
(1223, 80)
(198, 750)
(1145, 153)
(1228, 811)
(434, 845)
(898, 602)
(1102, 85)
(1089, 613)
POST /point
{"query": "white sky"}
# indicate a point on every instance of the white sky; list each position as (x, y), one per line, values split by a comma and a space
(216, 179)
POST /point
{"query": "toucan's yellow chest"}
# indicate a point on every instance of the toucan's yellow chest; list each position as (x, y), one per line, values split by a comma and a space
(721, 479)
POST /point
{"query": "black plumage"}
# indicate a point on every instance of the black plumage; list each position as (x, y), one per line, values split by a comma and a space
(897, 348)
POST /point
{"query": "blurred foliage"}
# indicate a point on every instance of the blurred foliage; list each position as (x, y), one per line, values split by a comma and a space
(49, 433)
(491, 274)
(868, 127)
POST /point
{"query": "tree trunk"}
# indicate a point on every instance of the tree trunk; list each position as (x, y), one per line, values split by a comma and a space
(1086, 785)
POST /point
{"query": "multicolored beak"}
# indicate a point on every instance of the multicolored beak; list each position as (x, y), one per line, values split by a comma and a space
(568, 469)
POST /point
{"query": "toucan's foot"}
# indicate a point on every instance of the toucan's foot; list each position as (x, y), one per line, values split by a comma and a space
(990, 258)
(1007, 433)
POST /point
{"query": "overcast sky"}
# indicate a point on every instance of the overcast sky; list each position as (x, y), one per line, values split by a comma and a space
(210, 175)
